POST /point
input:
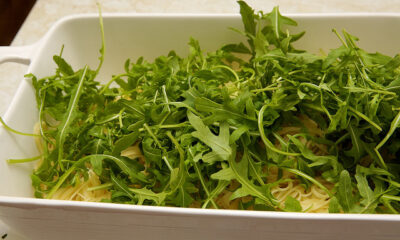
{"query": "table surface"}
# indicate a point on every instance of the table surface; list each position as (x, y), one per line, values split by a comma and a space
(46, 12)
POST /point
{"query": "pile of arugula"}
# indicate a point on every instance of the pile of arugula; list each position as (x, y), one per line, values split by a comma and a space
(207, 120)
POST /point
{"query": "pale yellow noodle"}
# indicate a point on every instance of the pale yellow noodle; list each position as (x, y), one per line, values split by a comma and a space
(80, 192)
(311, 200)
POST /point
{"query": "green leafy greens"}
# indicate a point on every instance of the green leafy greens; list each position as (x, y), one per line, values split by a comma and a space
(211, 123)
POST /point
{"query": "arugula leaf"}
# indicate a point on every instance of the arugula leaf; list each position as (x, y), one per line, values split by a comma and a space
(121, 186)
(127, 166)
(124, 142)
(357, 150)
(63, 66)
(145, 194)
(334, 206)
(366, 192)
(241, 172)
(316, 160)
(276, 22)
(97, 164)
(345, 192)
(226, 174)
(219, 111)
(219, 144)
(247, 17)
(292, 205)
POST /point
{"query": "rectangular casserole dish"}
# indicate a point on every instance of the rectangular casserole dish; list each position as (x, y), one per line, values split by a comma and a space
(132, 36)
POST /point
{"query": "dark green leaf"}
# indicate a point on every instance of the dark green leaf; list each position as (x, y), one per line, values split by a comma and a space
(125, 142)
(63, 66)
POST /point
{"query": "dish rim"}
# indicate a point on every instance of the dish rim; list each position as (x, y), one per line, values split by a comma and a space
(33, 203)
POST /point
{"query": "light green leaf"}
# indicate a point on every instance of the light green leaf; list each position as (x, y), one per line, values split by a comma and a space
(240, 192)
(334, 206)
(219, 144)
(146, 194)
(225, 174)
(292, 205)
(345, 192)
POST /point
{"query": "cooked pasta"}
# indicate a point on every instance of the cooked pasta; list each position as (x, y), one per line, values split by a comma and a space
(313, 200)
(82, 192)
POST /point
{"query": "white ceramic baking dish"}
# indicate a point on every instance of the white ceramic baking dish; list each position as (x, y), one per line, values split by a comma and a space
(131, 36)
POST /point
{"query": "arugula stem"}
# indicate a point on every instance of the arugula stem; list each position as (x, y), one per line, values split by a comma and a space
(381, 161)
(155, 97)
(255, 156)
(102, 49)
(386, 203)
(181, 104)
(105, 87)
(122, 187)
(342, 138)
(252, 133)
(281, 140)
(230, 70)
(220, 187)
(73, 104)
(168, 108)
(391, 197)
(311, 179)
(264, 138)
(361, 115)
(358, 89)
(159, 145)
(46, 139)
(17, 132)
(394, 124)
(75, 165)
(314, 107)
(120, 117)
(202, 182)
(152, 135)
(246, 183)
(23, 160)
(253, 169)
(396, 184)
(61, 50)
(167, 163)
(179, 125)
(181, 171)
(365, 209)
(167, 126)
(100, 187)
(64, 177)
(178, 147)
(340, 37)
(269, 88)
(354, 47)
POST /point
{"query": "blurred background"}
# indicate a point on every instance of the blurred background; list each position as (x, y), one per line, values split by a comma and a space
(12, 15)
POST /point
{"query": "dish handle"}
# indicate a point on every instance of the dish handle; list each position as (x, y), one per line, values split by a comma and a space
(20, 54)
